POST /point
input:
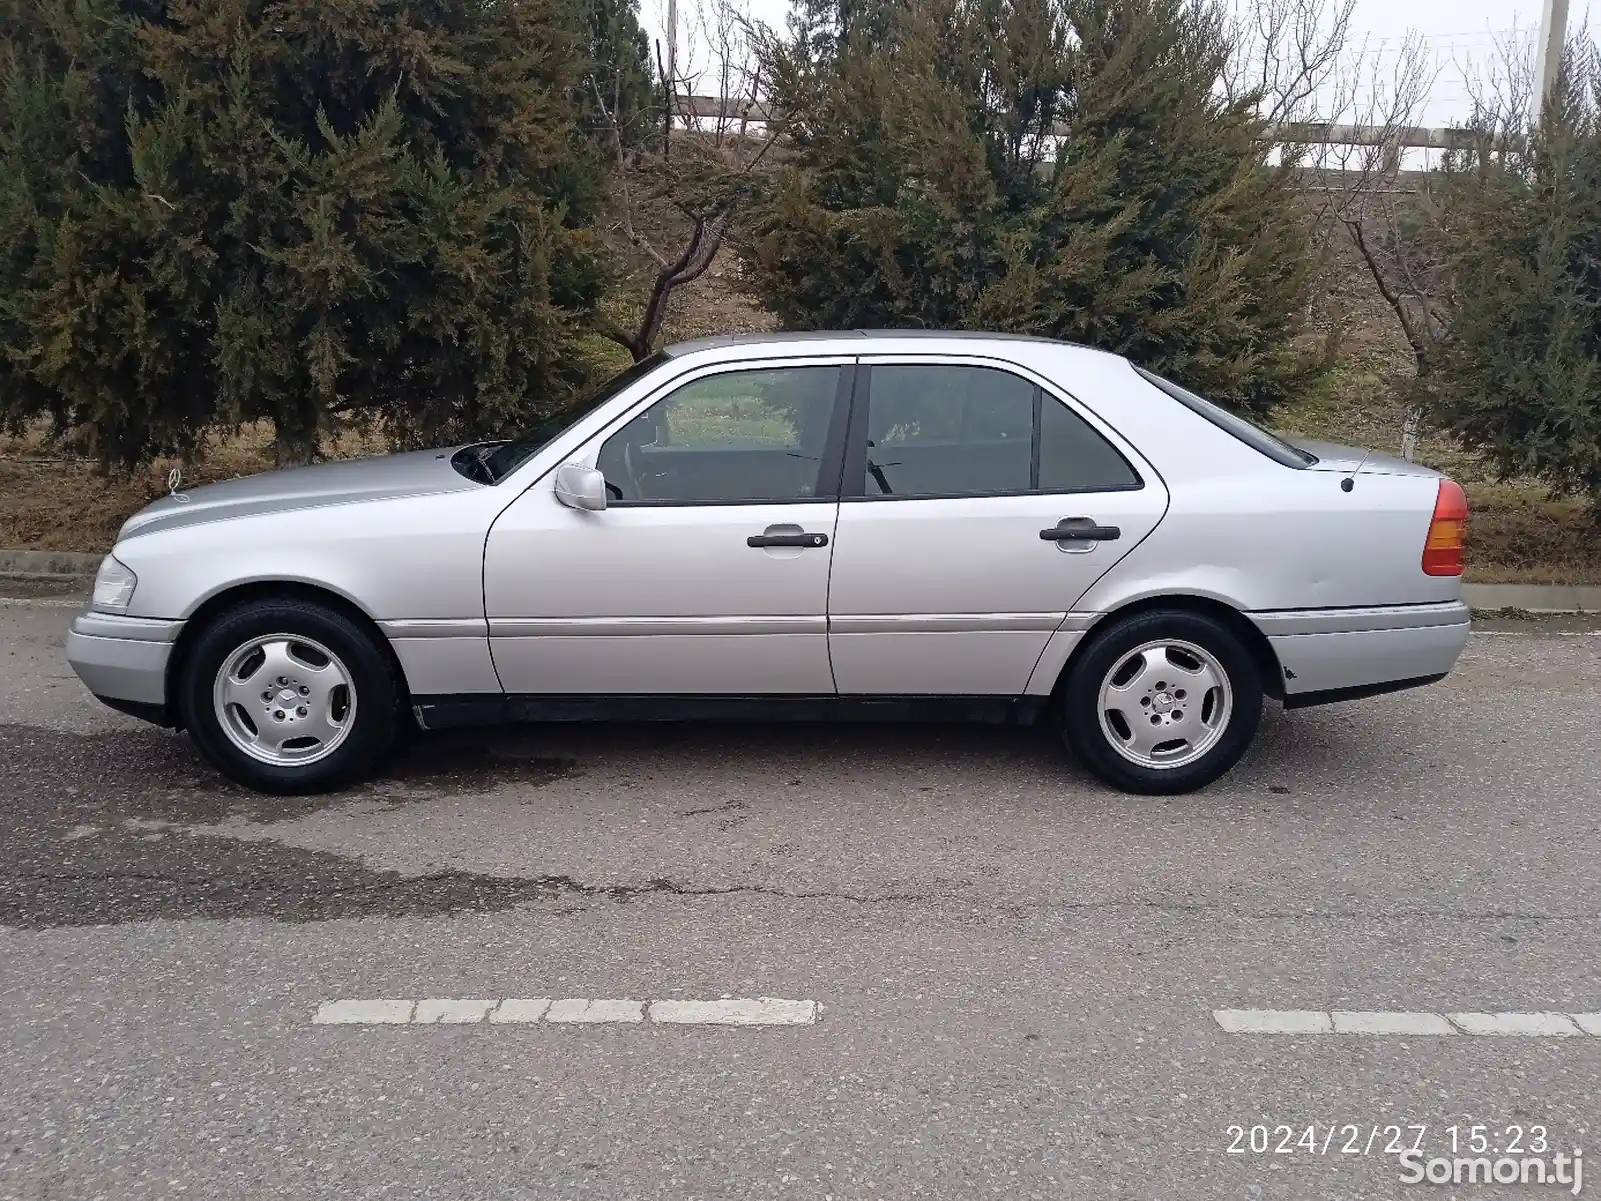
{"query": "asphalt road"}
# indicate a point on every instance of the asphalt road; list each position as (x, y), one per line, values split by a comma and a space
(1016, 968)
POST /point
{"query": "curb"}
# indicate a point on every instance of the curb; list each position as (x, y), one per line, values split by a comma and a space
(1531, 598)
(1534, 598)
(49, 563)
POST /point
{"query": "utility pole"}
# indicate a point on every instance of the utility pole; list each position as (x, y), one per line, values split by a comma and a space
(1553, 41)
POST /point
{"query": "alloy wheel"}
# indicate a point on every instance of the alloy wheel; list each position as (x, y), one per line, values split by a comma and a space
(1165, 704)
(284, 699)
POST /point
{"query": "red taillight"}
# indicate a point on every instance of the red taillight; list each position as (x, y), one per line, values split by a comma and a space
(1448, 531)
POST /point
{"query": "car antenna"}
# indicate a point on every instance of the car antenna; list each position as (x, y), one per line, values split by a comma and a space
(1349, 481)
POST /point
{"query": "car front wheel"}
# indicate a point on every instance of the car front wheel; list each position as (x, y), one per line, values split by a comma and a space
(1163, 701)
(289, 696)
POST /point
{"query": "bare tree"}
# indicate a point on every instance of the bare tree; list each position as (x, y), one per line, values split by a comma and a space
(731, 72)
(1371, 204)
(1366, 193)
(1503, 94)
(1392, 216)
(1286, 54)
(1390, 211)
(676, 194)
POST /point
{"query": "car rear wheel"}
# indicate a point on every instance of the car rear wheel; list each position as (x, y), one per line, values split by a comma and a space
(289, 696)
(1163, 701)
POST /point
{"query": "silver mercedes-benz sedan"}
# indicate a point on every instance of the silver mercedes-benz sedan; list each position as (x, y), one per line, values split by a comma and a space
(869, 525)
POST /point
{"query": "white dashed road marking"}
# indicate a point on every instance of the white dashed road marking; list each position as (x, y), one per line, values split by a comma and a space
(450, 1011)
(364, 1013)
(1346, 1021)
(1273, 1021)
(527, 1011)
(516, 1011)
(590, 1012)
(743, 1011)
(1352, 1022)
(1531, 1024)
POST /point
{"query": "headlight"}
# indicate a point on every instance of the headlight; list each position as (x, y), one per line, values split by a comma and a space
(114, 585)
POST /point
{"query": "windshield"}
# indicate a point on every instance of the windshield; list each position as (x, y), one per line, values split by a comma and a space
(509, 456)
(1254, 436)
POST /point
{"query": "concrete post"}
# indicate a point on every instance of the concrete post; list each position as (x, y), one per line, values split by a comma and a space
(1553, 40)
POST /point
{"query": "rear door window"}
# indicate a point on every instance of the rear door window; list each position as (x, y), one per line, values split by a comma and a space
(946, 430)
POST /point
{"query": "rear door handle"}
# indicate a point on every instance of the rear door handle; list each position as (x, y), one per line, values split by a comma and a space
(786, 535)
(1081, 529)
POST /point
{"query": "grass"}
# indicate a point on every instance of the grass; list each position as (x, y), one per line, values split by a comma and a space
(1519, 535)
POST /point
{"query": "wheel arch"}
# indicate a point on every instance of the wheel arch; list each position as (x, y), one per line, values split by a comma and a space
(1250, 636)
(229, 598)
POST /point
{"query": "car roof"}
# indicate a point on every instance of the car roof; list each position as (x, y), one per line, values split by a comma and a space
(783, 338)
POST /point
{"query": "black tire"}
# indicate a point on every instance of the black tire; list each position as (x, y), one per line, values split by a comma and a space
(1081, 720)
(376, 719)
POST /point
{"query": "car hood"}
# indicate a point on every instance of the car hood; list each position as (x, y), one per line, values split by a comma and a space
(1353, 460)
(381, 477)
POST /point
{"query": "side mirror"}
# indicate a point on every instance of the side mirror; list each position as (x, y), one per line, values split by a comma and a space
(580, 487)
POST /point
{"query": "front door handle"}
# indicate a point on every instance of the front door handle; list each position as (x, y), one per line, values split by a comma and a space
(1081, 529)
(786, 535)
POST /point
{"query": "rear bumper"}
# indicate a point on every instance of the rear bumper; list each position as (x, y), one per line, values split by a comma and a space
(1356, 692)
(123, 661)
(1332, 655)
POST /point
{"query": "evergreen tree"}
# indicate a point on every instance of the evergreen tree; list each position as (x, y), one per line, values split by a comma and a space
(1518, 376)
(1067, 168)
(619, 90)
(302, 211)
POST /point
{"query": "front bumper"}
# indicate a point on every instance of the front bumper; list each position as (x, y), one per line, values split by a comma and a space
(1341, 654)
(123, 661)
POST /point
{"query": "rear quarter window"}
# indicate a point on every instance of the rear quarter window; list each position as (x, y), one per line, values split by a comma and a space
(1074, 458)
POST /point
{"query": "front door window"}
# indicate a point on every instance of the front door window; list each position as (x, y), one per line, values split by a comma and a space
(736, 437)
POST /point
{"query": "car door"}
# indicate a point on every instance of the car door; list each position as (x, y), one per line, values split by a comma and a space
(976, 507)
(707, 572)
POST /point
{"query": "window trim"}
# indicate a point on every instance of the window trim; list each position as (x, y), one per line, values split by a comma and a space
(829, 468)
(854, 466)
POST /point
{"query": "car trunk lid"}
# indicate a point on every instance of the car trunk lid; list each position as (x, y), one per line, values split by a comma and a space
(1353, 460)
